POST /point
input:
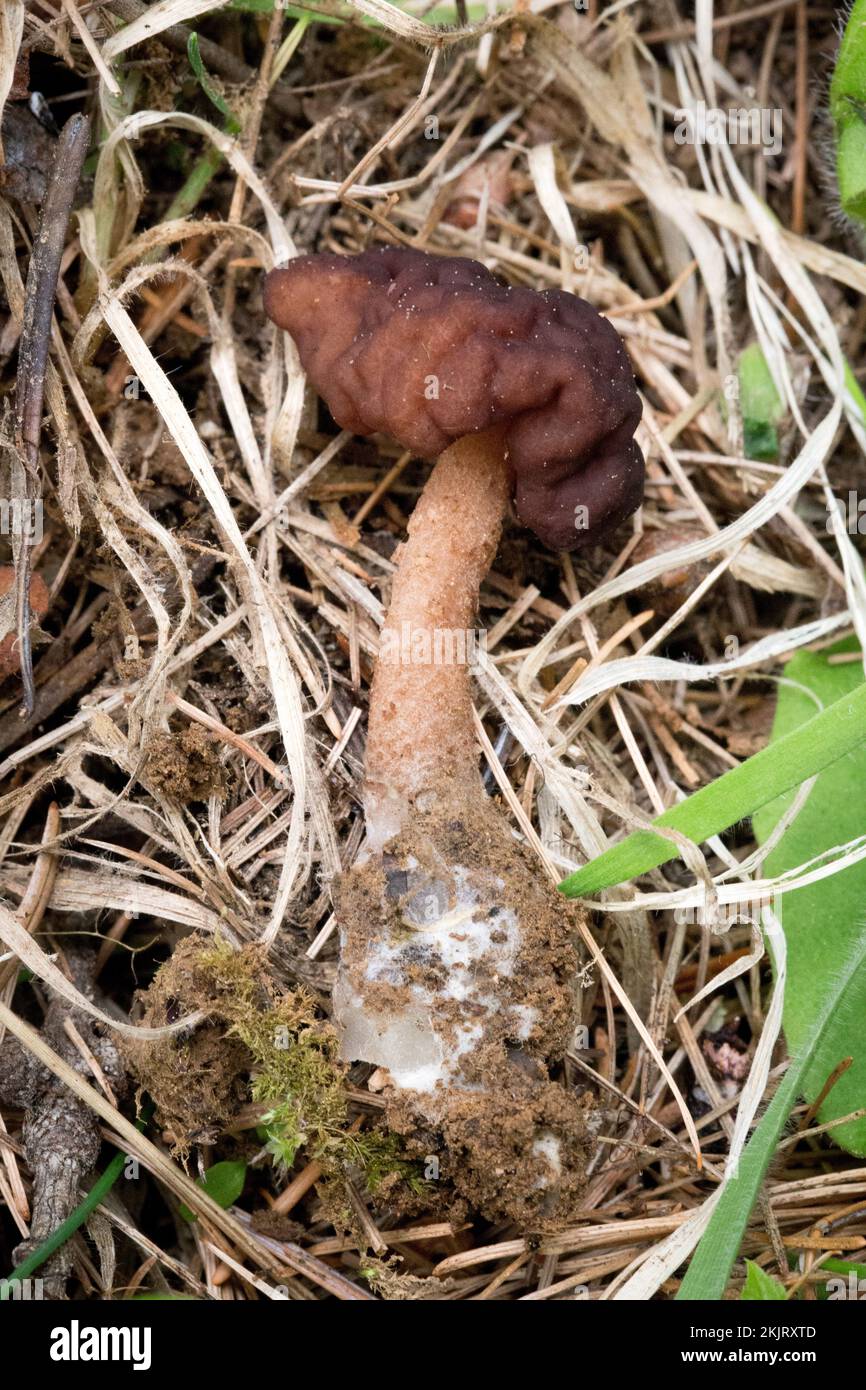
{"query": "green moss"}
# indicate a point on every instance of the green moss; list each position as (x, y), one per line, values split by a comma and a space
(298, 1076)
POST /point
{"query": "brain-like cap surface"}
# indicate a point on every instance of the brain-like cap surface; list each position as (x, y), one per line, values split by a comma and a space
(428, 349)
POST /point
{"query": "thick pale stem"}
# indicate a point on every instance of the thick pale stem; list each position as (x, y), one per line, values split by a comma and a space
(456, 964)
(420, 729)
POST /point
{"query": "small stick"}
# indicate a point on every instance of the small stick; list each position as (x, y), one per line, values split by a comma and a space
(70, 9)
(298, 1187)
(42, 276)
(87, 1055)
(839, 1070)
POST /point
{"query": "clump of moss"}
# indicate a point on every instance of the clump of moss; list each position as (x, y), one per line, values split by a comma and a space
(198, 1080)
(282, 1050)
(297, 1074)
(387, 1280)
(295, 1068)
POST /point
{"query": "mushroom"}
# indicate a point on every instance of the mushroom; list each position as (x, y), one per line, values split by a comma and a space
(457, 963)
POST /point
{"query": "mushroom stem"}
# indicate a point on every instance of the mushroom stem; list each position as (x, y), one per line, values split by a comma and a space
(457, 963)
(420, 727)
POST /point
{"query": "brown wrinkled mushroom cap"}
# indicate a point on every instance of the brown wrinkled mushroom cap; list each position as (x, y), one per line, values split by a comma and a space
(428, 349)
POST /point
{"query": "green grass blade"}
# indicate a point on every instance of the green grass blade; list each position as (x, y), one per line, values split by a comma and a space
(853, 388)
(711, 1264)
(98, 1192)
(209, 87)
(822, 920)
(760, 404)
(59, 1237)
(732, 797)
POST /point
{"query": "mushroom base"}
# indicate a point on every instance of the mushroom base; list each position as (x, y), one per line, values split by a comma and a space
(457, 977)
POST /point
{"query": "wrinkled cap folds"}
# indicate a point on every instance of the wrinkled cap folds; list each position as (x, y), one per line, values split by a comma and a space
(427, 349)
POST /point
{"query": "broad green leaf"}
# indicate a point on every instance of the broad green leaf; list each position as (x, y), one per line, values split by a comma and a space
(224, 1182)
(761, 1287)
(825, 931)
(823, 920)
(848, 110)
(711, 1263)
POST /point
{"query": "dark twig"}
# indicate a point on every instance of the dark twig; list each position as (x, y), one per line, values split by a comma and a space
(42, 275)
(61, 1133)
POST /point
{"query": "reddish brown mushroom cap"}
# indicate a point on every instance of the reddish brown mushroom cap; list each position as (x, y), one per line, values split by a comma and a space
(427, 349)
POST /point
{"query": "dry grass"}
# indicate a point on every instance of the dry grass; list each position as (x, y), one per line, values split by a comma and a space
(218, 555)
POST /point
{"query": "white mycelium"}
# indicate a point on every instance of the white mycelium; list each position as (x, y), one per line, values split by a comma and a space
(548, 1147)
(452, 933)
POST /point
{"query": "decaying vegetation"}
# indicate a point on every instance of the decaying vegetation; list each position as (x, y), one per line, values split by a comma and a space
(202, 597)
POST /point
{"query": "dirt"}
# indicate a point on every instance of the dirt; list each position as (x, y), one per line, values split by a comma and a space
(484, 1146)
(185, 766)
(198, 1081)
(483, 1140)
(273, 1046)
(276, 1225)
(484, 1129)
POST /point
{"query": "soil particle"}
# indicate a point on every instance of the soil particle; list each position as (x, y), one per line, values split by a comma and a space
(275, 1225)
(493, 1147)
(199, 1082)
(185, 766)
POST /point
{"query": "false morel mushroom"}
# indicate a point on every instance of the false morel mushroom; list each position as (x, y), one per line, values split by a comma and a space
(458, 963)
